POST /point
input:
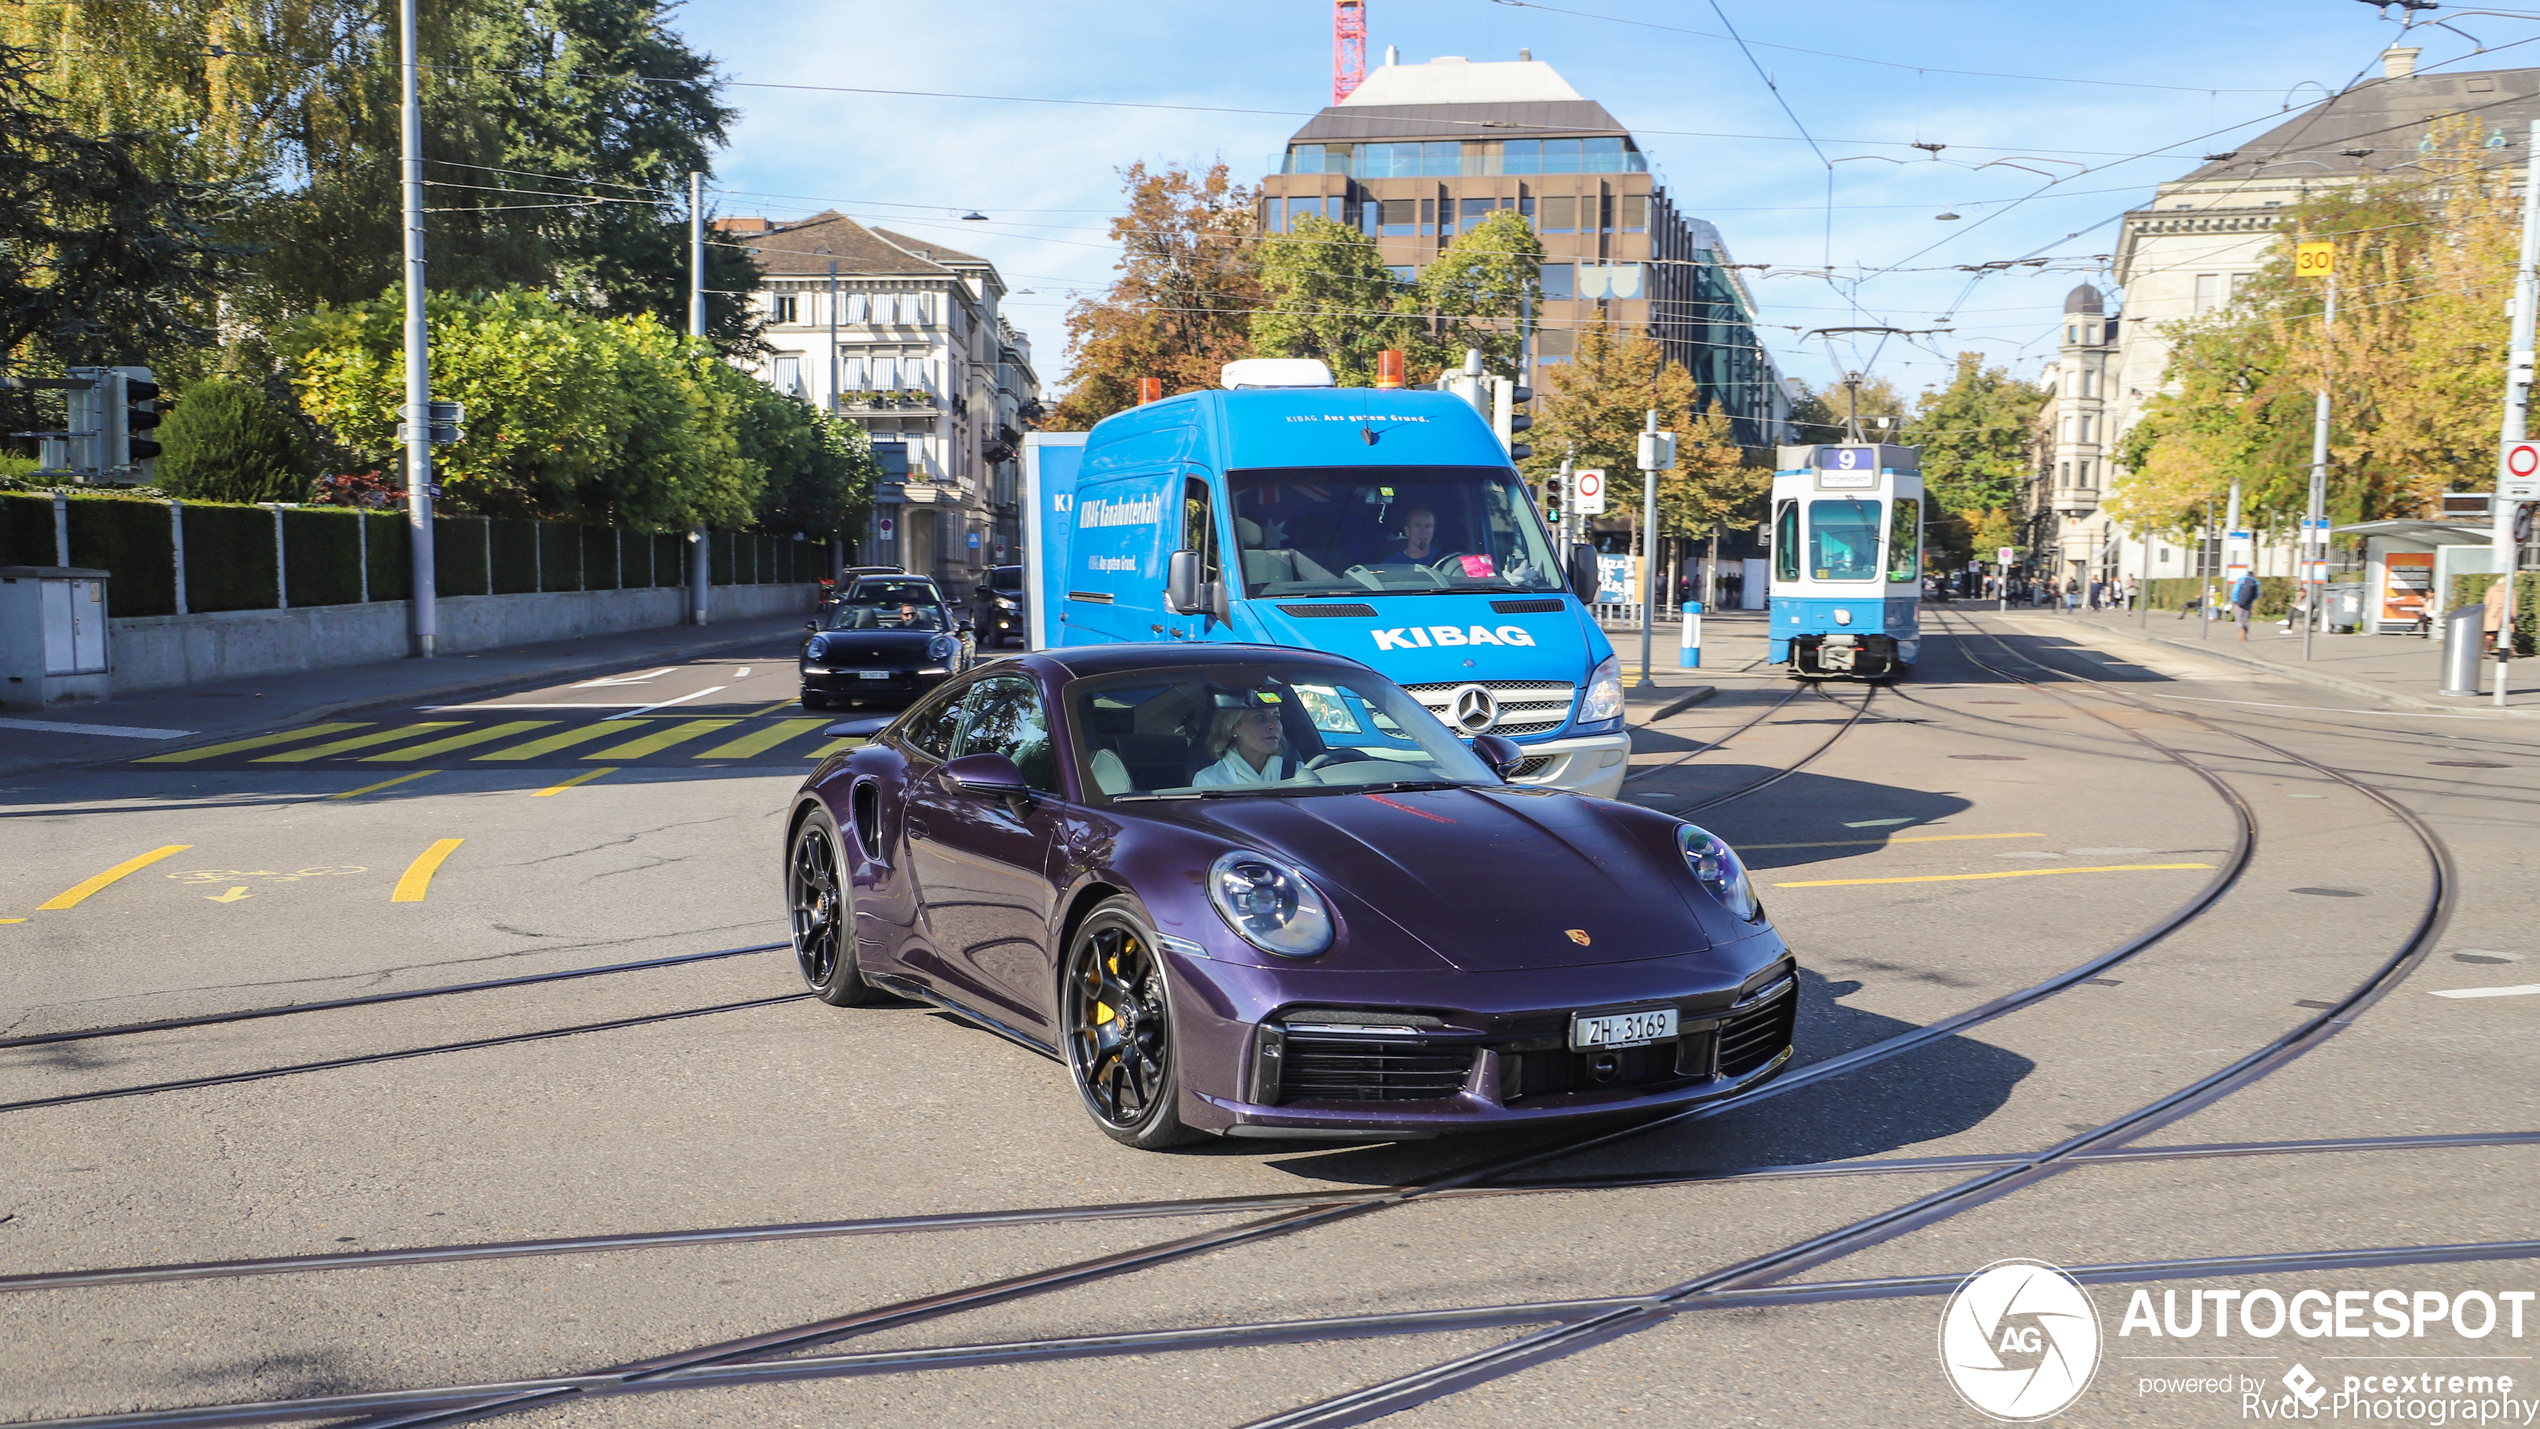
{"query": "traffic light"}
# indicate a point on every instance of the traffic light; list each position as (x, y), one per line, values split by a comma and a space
(131, 407)
(1552, 503)
(1506, 421)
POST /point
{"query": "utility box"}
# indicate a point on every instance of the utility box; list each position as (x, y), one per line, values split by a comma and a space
(52, 636)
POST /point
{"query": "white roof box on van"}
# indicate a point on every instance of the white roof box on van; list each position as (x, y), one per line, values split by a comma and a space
(1276, 372)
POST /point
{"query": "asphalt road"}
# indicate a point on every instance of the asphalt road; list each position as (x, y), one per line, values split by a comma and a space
(1929, 847)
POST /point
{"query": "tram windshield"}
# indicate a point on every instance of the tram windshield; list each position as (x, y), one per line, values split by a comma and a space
(1843, 540)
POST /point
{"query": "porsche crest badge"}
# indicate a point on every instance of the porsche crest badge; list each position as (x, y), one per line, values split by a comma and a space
(1579, 936)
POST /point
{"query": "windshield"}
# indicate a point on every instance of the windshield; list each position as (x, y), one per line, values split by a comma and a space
(1410, 529)
(1006, 580)
(1843, 540)
(1220, 731)
(894, 591)
(865, 613)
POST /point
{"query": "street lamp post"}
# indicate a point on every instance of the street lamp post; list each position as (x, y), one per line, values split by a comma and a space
(700, 570)
(422, 612)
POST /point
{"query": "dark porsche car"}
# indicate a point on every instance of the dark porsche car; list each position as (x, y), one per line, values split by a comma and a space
(1003, 612)
(1263, 892)
(885, 640)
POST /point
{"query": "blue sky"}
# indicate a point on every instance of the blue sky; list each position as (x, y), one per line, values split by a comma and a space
(1045, 173)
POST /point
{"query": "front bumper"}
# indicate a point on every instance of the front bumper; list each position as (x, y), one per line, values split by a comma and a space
(1321, 1066)
(1591, 764)
(849, 681)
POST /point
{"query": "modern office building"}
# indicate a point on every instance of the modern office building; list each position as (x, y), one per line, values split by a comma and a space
(1419, 153)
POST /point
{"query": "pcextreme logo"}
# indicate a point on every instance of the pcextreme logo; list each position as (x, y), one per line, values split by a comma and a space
(2019, 1341)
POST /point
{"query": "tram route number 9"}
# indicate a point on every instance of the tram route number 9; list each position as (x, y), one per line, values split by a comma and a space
(1847, 466)
(2314, 260)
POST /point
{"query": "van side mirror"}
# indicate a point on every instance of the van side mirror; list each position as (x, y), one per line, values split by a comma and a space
(1182, 593)
(1584, 577)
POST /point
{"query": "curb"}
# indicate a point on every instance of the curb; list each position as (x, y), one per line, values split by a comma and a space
(2327, 681)
(1683, 702)
(481, 685)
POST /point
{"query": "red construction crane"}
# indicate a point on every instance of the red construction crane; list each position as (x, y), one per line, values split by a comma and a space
(1349, 47)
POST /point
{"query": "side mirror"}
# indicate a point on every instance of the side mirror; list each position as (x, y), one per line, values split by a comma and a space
(1182, 594)
(963, 628)
(863, 727)
(1499, 752)
(1584, 577)
(811, 625)
(990, 774)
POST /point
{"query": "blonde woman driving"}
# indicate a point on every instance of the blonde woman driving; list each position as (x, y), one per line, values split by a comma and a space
(1249, 749)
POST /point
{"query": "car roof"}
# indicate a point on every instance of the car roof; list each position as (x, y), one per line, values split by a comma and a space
(1086, 661)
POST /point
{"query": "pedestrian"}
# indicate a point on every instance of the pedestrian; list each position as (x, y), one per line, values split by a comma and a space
(2244, 600)
(2072, 594)
(2133, 591)
(2493, 619)
(2098, 588)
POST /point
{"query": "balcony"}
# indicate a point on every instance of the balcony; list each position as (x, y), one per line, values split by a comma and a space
(2076, 500)
(878, 402)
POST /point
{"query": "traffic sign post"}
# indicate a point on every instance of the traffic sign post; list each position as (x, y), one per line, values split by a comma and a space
(2314, 260)
(1588, 499)
(2517, 464)
(2002, 558)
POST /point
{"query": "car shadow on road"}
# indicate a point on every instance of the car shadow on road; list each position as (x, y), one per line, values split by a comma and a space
(1803, 818)
(1940, 1090)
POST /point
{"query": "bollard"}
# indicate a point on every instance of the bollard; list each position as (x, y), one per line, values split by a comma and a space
(2462, 635)
(1689, 648)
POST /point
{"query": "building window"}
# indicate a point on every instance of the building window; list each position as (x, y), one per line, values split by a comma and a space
(1559, 280)
(2209, 292)
(1272, 221)
(1555, 345)
(2085, 429)
(2085, 475)
(853, 373)
(1611, 154)
(2072, 333)
(1560, 213)
(1635, 213)
(1605, 213)
(2089, 383)
(1474, 210)
(1397, 217)
(859, 307)
(1404, 273)
(781, 308)
(2063, 473)
(1442, 158)
(1429, 217)
(789, 373)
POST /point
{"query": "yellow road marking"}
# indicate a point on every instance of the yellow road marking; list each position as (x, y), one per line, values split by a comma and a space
(549, 744)
(12, 920)
(771, 709)
(660, 740)
(188, 756)
(460, 741)
(1916, 839)
(761, 741)
(382, 784)
(231, 896)
(70, 897)
(582, 778)
(2005, 873)
(359, 741)
(417, 879)
(832, 747)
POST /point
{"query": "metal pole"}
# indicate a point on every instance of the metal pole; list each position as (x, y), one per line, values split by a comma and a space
(423, 622)
(1569, 515)
(2517, 399)
(833, 337)
(2315, 511)
(1648, 560)
(2204, 570)
(701, 570)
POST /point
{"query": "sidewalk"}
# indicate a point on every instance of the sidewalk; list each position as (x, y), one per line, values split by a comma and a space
(154, 721)
(2402, 670)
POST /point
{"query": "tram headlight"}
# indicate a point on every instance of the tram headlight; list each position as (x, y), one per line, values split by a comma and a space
(1604, 700)
(1716, 867)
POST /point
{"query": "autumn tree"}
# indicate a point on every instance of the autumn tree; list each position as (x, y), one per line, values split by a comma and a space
(1817, 413)
(1974, 435)
(1326, 293)
(1182, 305)
(1593, 409)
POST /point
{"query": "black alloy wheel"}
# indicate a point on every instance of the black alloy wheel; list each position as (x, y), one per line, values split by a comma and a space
(824, 922)
(1119, 1020)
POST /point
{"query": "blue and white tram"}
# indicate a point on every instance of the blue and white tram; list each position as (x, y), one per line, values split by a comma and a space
(1847, 544)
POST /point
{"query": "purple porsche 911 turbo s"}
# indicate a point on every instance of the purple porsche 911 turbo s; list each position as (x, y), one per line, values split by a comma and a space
(1261, 892)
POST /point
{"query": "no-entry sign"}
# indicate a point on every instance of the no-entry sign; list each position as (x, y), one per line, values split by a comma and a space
(1591, 499)
(2518, 472)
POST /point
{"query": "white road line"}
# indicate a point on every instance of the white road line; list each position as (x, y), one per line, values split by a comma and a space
(683, 699)
(626, 679)
(116, 731)
(741, 674)
(2526, 990)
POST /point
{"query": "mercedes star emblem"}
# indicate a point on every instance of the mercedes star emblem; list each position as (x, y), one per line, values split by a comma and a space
(1474, 709)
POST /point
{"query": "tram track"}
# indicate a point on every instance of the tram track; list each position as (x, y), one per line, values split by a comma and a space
(1580, 1333)
(759, 1348)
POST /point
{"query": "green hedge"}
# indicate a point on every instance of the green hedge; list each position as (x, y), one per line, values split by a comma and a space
(389, 544)
(2275, 593)
(133, 540)
(458, 555)
(514, 551)
(2472, 590)
(321, 556)
(229, 558)
(26, 529)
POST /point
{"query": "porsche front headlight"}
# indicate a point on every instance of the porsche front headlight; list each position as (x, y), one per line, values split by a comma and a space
(1270, 905)
(942, 648)
(1716, 867)
(818, 649)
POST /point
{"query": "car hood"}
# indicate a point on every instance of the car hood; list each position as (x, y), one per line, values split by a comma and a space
(843, 645)
(1486, 879)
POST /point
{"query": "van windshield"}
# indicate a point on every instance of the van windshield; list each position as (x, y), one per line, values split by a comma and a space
(1388, 530)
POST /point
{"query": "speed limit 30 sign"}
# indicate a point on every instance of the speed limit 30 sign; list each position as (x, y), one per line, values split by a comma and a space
(2518, 472)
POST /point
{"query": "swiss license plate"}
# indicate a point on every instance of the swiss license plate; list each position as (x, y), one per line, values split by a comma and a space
(873, 674)
(1622, 1029)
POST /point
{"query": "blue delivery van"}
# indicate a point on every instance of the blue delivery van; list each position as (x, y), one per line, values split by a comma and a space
(1388, 526)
